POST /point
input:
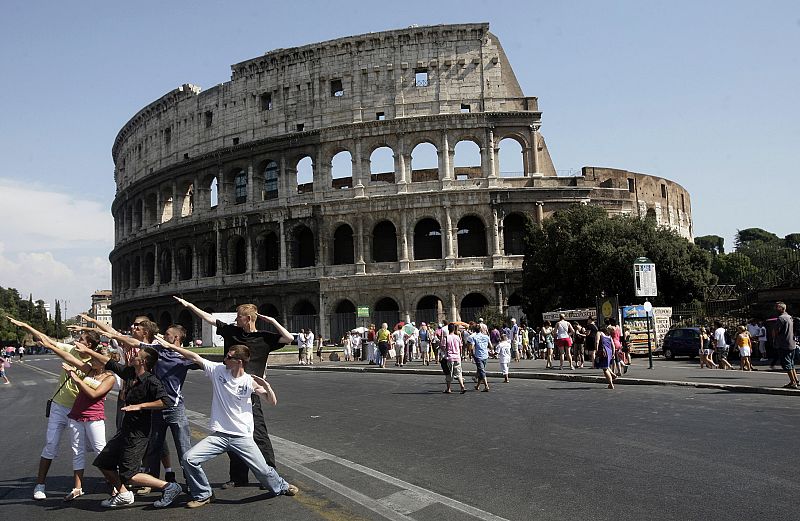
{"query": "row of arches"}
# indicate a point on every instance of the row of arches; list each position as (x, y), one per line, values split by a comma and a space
(267, 252)
(267, 179)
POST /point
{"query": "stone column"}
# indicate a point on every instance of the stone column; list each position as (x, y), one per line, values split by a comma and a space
(496, 228)
(222, 199)
(448, 233)
(195, 263)
(534, 154)
(249, 256)
(251, 197)
(539, 213)
(220, 267)
(358, 171)
(159, 210)
(283, 182)
(322, 250)
(361, 266)
(282, 241)
(156, 265)
(492, 155)
(445, 162)
(321, 176)
(400, 166)
(404, 263)
(323, 318)
(176, 208)
(453, 308)
(174, 265)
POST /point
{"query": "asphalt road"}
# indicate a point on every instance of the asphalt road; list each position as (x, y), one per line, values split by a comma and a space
(391, 446)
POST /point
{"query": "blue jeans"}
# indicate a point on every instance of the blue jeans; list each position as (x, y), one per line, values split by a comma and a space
(242, 446)
(480, 366)
(175, 419)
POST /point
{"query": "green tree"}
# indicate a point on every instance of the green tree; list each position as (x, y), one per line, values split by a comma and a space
(756, 237)
(733, 268)
(711, 243)
(581, 252)
(792, 241)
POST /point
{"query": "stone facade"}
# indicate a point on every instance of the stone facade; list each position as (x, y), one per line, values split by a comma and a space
(230, 195)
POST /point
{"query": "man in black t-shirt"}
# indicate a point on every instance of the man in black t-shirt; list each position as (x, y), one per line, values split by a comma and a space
(261, 344)
(591, 338)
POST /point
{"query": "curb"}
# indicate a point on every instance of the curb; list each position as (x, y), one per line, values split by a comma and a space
(555, 377)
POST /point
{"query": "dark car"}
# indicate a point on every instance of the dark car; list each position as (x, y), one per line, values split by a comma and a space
(682, 341)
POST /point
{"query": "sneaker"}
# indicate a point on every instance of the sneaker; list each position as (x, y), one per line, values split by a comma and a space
(38, 492)
(232, 484)
(76, 492)
(171, 491)
(197, 503)
(291, 491)
(169, 477)
(120, 500)
(143, 491)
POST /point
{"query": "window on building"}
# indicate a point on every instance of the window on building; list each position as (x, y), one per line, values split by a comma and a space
(240, 186)
(663, 191)
(421, 77)
(337, 89)
(209, 118)
(300, 127)
(631, 185)
(683, 203)
(465, 108)
(380, 116)
(271, 181)
(167, 135)
(235, 141)
(266, 101)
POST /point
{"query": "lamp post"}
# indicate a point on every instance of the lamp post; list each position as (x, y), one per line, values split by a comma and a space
(648, 309)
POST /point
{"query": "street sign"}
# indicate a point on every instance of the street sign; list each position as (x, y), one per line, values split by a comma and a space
(362, 311)
(644, 277)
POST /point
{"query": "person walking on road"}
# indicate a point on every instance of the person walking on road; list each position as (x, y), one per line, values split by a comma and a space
(504, 355)
(453, 359)
(231, 423)
(745, 349)
(5, 363)
(481, 355)
(591, 339)
(604, 347)
(547, 341)
(785, 344)
(705, 350)
(564, 332)
(721, 346)
(383, 336)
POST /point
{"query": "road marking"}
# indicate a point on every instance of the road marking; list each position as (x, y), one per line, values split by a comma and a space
(28, 382)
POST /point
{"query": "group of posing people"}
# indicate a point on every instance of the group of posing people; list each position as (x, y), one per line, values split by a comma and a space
(149, 371)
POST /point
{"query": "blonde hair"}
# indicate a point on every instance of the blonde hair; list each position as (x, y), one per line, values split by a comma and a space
(248, 310)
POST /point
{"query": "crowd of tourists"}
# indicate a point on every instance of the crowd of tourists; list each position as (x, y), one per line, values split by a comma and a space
(148, 371)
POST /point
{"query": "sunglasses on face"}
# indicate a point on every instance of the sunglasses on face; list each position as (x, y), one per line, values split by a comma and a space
(136, 324)
(229, 357)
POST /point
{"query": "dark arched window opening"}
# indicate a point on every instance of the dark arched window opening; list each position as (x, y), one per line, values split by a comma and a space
(268, 253)
(208, 260)
(271, 181)
(386, 310)
(472, 305)
(237, 256)
(514, 234)
(384, 242)
(304, 316)
(343, 319)
(427, 240)
(430, 309)
(126, 275)
(269, 310)
(136, 269)
(343, 245)
(303, 254)
(240, 186)
(471, 237)
(184, 260)
(186, 319)
(164, 321)
(149, 269)
(165, 267)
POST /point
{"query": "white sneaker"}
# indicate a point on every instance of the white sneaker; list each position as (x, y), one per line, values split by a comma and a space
(171, 491)
(120, 500)
(38, 492)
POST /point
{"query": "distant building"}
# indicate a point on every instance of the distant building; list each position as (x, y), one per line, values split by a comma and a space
(101, 306)
(47, 310)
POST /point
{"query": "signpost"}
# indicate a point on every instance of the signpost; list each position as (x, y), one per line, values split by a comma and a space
(648, 308)
(644, 281)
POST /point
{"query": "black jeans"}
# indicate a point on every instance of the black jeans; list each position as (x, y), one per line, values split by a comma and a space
(238, 468)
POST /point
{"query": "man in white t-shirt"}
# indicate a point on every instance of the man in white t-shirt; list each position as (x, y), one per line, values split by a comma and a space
(231, 423)
(721, 346)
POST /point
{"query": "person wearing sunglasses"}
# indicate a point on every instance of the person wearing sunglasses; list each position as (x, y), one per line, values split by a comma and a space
(231, 423)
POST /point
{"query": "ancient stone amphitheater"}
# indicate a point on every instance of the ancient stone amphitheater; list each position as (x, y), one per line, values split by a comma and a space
(389, 175)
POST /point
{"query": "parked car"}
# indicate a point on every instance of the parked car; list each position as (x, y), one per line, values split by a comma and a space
(682, 341)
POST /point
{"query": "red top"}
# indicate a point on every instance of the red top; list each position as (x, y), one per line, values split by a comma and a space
(88, 409)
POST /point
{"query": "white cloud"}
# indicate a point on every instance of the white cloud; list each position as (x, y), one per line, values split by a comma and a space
(54, 245)
(39, 219)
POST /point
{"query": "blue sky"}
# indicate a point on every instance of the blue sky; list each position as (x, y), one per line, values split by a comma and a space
(703, 93)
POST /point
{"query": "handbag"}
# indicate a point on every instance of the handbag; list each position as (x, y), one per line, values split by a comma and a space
(392, 352)
(50, 401)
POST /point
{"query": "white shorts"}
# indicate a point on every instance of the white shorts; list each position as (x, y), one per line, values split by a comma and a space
(504, 367)
(56, 424)
(745, 351)
(86, 437)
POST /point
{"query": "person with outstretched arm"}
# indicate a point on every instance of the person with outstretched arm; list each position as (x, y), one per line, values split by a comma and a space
(119, 461)
(260, 344)
(233, 394)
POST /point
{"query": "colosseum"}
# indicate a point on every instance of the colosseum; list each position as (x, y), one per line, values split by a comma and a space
(357, 180)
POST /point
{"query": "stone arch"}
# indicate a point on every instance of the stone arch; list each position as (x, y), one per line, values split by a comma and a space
(511, 157)
(149, 268)
(213, 192)
(427, 239)
(471, 306)
(343, 319)
(208, 259)
(424, 162)
(186, 319)
(514, 231)
(381, 164)
(183, 260)
(236, 255)
(268, 252)
(342, 170)
(430, 309)
(467, 160)
(186, 195)
(238, 180)
(387, 310)
(165, 266)
(305, 175)
(343, 251)
(271, 310)
(304, 315)
(166, 204)
(384, 242)
(471, 237)
(303, 249)
(150, 209)
(271, 171)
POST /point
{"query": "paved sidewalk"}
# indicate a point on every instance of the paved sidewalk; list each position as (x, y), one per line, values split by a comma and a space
(682, 372)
